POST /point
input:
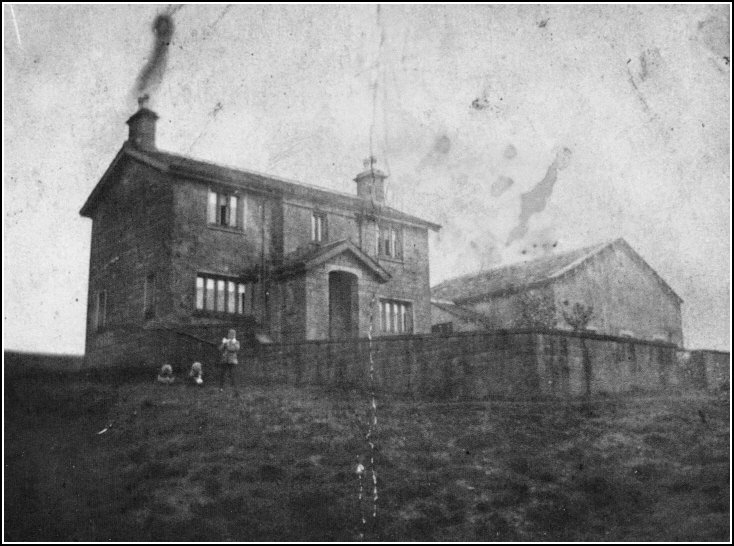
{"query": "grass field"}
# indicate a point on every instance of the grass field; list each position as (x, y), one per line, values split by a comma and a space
(278, 464)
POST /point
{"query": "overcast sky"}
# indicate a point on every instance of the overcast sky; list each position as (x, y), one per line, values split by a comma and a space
(622, 111)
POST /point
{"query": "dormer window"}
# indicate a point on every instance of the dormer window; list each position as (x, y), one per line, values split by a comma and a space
(318, 227)
(222, 209)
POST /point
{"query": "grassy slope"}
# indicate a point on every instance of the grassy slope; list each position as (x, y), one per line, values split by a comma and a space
(278, 464)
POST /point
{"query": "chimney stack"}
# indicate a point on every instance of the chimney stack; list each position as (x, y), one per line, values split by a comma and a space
(142, 126)
(371, 182)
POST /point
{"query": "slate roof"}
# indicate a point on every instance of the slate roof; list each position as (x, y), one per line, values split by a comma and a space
(460, 312)
(202, 170)
(522, 276)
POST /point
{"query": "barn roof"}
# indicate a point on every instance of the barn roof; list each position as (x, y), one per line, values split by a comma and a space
(460, 312)
(187, 167)
(522, 276)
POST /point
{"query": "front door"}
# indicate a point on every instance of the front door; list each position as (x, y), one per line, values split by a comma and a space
(343, 311)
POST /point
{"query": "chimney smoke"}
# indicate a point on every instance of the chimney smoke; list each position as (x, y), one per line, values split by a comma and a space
(151, 75)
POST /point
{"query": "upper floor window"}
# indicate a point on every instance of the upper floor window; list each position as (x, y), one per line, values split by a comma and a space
(318, 227)
(396, 317)
(221, 295)
(222, 209)
(390, 241)
(100, 310)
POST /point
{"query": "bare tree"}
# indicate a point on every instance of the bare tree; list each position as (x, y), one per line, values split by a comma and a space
(537, 310)
(578, 316)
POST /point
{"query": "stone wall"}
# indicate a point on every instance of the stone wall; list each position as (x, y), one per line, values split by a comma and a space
(472, 365)
(199, 247)
(713, 368)
(410, 277)
(130, 241)
(469, 365)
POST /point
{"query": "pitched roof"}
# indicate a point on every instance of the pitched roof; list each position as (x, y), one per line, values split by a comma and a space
(202, 170)
(309, 257)
(522, 276)
(458, 311)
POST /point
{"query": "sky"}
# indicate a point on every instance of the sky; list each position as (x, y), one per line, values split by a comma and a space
(522, 130)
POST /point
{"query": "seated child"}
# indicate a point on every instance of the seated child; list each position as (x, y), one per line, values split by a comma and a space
(196, 373)
(165, 376)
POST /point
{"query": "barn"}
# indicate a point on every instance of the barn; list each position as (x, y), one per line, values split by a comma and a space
(625, 295)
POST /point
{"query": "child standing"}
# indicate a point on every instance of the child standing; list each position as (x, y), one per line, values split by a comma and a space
(229, 349)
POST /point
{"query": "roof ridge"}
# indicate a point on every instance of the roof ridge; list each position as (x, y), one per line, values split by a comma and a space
(592, 250)
(457, 309)
(248, 171)
(498, 268)
(161, 155)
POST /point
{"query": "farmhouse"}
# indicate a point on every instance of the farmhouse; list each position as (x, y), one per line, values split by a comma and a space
(628, 297)
(178, 242)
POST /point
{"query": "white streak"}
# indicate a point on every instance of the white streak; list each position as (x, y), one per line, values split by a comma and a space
(15, 23)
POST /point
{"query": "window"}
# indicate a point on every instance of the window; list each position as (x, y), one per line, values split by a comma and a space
(242, 299)
(221, 295)
(396, 317)
(318, 227)
(149, 296)
(100, 310)
(222, 209)
(232, 297)
(390, 241)
(200, 292)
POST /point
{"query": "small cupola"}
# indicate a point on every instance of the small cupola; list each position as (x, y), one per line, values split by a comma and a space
(142, 126)
(371, 182)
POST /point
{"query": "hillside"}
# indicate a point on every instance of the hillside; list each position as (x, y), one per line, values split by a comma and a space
(278, 464)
